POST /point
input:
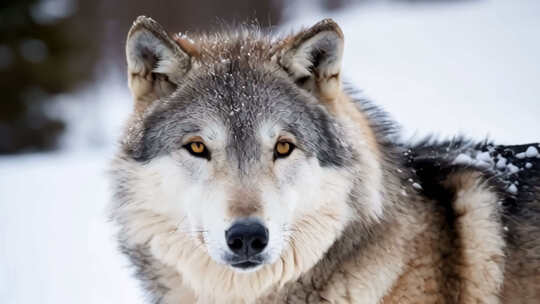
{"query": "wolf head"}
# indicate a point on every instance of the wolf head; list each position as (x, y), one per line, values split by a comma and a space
(243, 159)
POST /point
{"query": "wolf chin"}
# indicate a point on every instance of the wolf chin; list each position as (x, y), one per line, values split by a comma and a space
(248, 173)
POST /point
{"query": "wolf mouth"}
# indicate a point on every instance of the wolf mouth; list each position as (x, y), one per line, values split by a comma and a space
(246, 265)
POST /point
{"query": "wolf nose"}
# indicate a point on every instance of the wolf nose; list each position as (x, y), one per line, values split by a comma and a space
(247, 238)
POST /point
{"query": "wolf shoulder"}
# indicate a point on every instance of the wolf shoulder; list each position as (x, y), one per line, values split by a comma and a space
(503, 184)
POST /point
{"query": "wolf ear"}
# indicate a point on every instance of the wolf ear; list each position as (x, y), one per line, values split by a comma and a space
(313, 58)
(156, 63)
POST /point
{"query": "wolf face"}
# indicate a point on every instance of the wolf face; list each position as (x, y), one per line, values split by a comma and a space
(235, 145)
(264, 149)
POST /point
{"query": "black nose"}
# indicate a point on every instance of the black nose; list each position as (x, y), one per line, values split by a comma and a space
(247, 238)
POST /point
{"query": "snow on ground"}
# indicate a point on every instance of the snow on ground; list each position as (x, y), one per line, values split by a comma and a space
(55, 243)
(469, 67)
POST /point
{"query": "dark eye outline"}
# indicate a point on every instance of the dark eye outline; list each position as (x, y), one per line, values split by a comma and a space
(205, 153)
(283, 155)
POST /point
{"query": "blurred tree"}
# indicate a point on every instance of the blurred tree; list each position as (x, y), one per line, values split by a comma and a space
(43, 51)
(185, 16)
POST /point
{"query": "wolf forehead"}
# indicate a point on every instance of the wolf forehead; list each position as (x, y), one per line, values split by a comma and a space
(238, 93)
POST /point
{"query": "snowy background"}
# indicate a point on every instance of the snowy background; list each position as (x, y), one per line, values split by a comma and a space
(466, 67)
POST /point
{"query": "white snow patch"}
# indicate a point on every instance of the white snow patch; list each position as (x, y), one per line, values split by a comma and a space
(475, 158)
(463, 159)
(531, 152)
(512, 189)
(512, 168)
(417, 186)
(501, 163)
(528, 165)
(501, 166)
(484, 156)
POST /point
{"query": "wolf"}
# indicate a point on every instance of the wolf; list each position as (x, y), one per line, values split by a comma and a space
(249, 172)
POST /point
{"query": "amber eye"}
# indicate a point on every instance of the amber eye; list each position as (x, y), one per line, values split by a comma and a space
(283, 149)
(198, 149)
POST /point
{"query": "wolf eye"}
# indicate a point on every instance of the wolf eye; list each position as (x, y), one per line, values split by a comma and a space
(197, 149)
(283, 149)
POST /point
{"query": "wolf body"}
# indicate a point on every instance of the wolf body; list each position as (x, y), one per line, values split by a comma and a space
(248, 174)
